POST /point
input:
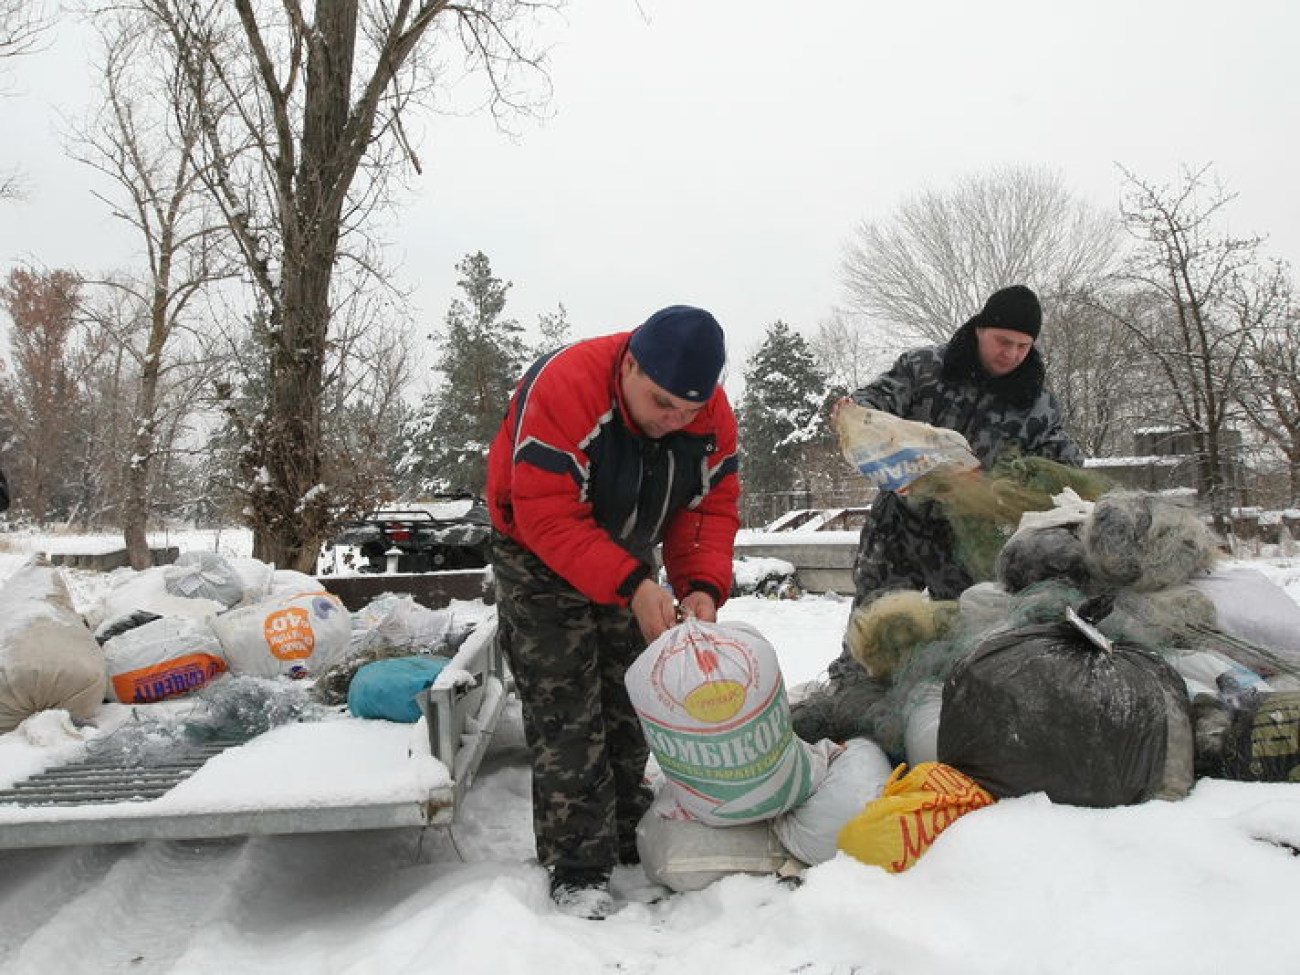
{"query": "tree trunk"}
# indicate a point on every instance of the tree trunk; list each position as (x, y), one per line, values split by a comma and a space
(295, 514)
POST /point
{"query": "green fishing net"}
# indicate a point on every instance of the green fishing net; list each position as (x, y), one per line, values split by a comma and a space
(984, 508)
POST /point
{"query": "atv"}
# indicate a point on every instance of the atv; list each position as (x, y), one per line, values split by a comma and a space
(450, 531)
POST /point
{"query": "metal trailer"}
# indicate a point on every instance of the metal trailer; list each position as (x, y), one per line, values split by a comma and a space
(87, 802)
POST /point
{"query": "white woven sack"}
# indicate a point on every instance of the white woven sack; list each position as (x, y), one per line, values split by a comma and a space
(685, 855)
(294, 635)
(205, 575)
(146, 591)
(48, 657)
(161, 659)
(712, 703)
(856, 776)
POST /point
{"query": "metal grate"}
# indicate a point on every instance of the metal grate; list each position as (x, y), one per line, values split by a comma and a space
(105, 779)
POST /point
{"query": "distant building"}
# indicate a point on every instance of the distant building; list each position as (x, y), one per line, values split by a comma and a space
(1165, 459)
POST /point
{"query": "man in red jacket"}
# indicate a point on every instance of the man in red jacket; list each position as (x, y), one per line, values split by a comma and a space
(610, 447)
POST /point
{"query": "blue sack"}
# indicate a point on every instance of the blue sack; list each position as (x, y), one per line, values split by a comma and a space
(389, 689)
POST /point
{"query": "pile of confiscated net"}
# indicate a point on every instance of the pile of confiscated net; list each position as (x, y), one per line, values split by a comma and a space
(1124, 561)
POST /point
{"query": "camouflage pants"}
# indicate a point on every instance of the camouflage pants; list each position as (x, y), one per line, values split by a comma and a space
(903, 546)
(568, 656)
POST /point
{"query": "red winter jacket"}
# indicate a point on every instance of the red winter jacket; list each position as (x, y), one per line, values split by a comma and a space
(572, 480)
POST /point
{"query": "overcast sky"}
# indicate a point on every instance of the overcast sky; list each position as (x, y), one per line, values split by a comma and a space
(720, 153)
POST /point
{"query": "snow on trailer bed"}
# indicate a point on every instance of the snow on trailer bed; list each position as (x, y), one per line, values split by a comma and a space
(339, 773)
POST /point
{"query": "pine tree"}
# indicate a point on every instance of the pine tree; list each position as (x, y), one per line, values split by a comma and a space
(782, 418)
(555, 332)
(481, 359)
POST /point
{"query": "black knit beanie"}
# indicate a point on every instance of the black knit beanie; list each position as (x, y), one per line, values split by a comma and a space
(1016, 308)
(682, 349)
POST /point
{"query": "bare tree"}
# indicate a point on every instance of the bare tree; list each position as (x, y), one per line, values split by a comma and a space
(1098, 373)
(1193, 325)
(849, 352)
(368, 374)
(1270, 393)
(147, 140)
(302, 110)
(930, 265)
(23, 25)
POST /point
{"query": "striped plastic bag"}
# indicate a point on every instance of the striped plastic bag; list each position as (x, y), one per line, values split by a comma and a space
(713, 707)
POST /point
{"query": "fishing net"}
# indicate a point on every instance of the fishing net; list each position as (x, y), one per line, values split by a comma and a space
(234, 708)
(881, 634)
(985, 508)
(865, 704)
(1141, 541)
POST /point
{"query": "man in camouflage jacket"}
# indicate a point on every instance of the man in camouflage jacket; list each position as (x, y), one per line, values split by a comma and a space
(987, 383)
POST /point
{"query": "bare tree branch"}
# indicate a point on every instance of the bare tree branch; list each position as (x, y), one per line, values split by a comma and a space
(23, 25)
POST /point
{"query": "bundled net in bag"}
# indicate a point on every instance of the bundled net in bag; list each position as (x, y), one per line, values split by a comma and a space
(1060, 709)
(986, 508)
(929, 463)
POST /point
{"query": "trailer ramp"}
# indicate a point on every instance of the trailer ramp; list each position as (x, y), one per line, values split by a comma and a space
(339, 774)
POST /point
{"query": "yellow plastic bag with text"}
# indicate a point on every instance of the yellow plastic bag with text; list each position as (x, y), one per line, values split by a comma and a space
(915, 807)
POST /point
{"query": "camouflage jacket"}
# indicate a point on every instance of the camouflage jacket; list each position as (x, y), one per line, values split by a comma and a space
(945, 386)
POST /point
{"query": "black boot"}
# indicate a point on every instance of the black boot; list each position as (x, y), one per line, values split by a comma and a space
(582, 892)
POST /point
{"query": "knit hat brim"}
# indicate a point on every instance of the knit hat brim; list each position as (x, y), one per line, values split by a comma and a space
(682, 350)
(1015, 308)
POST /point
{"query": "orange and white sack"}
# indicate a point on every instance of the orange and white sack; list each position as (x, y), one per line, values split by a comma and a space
(290, 635)
(163, 658)
(713, 706)
(891, 452)
(917, 805)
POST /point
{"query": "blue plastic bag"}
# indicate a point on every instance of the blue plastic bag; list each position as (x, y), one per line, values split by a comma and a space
(389, 689)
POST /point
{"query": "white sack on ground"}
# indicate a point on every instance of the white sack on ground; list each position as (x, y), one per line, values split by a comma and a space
(712, 703)
(48, 656)
(290, 582)
(685, 855)
(856, 776)
(924, 708)
(205, 575)
(255, 576)
(1252, 607)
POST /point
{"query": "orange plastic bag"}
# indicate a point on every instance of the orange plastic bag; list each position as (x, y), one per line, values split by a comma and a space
(914, 808)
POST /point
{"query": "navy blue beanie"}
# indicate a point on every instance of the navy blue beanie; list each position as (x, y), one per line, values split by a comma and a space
(1015, 308)
(682, 350)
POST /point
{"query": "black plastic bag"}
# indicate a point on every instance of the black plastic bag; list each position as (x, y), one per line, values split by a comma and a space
(1060, 709)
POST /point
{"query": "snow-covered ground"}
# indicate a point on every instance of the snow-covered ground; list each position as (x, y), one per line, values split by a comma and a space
(1023, 886)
